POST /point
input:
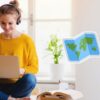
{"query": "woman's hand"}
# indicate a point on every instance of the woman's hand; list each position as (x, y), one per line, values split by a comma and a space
(22, 71)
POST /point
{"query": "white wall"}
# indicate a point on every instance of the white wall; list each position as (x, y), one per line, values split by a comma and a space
(87, 79)
(86, 17)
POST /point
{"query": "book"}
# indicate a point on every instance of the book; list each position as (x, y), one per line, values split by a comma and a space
(54, 96)
(69, 94)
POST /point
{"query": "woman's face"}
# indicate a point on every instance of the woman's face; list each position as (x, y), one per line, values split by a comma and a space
(8, 23)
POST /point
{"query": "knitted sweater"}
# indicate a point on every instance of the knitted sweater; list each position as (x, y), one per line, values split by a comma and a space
(24, 48)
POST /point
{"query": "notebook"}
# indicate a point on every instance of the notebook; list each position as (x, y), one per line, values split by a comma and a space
(9, 67)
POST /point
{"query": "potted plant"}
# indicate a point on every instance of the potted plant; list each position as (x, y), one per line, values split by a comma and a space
(55, 49)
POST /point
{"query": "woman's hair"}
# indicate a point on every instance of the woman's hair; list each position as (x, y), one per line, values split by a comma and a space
(11, 8)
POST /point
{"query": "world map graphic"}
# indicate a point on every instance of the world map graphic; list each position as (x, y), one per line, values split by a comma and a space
(81, 47)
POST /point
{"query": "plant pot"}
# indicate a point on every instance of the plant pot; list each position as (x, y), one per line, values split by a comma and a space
(57, 71)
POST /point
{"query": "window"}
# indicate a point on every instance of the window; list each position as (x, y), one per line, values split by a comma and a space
(51, 17)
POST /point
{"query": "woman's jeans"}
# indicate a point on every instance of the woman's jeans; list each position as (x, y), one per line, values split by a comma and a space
(22, 88)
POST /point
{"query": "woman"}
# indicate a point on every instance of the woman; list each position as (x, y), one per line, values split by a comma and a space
(17, 44)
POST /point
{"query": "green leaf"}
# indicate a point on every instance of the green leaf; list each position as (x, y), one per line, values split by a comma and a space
(54, 47)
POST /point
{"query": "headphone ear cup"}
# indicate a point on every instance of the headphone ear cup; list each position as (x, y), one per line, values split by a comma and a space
(18, 20)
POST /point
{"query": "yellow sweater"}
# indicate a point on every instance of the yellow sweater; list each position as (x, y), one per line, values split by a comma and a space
(23, 47)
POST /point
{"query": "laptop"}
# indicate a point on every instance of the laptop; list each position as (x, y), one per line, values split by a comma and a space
(9, 67)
